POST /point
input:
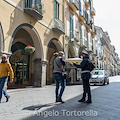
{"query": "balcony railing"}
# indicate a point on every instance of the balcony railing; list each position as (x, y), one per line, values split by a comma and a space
(82, 15)
(93, 30)
(83, 43)
(92, 11)
(34, 8)
(58, 26)
(74, 4)
(87, 3)
(89, 48)
(88, 24)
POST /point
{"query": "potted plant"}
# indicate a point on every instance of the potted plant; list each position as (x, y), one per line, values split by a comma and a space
(29, 49)
(37, 6)
(33, 6)
(56, 54)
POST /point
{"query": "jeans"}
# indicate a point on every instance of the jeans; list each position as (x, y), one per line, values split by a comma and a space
(5, 93)
(59, 80)
(2, 83)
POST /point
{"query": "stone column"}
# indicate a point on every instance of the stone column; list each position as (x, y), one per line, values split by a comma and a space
(37, 76)
(43, 80)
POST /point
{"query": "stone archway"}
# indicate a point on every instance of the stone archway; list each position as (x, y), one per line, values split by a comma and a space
(53, 46)
(27, 35)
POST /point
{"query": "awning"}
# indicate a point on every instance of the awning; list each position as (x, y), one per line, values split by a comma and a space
(75, 60)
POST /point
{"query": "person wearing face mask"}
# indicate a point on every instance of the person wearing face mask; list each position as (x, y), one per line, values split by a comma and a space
(5, 69)
(86, 67)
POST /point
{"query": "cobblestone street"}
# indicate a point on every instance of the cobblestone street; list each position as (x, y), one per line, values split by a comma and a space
(39, 103)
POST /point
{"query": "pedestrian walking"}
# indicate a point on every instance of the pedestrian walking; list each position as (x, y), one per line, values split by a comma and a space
(86, 67)
(5, 91)
(5, 70)
(59, 64)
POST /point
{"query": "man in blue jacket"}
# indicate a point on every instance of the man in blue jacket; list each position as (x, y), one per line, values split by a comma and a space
(86, 66)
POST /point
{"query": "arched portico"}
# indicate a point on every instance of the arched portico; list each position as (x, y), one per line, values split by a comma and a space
(27, 67)
(53, 46)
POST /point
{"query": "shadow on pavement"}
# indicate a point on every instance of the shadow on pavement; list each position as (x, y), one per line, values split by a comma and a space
(105, 106)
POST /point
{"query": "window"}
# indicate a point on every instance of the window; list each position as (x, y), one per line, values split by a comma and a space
(33, 3)
(87, 41)
(81, 41)
(98, 73)
(71, 27)
(56, 9)
(80, 10)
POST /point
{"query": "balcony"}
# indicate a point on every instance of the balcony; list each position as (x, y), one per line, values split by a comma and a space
(87, 3)
(92, 12)
(93, 31)
(89, 49)
(82, 16)
(101, 58)
(58, 26)
(74, 4)
(83, 43)
(34, 10)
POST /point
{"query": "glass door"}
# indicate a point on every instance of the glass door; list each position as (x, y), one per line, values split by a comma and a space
(20, 70)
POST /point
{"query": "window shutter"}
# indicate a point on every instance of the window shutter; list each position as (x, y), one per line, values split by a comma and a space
(80, 8)
(81, 41)
(71, 27)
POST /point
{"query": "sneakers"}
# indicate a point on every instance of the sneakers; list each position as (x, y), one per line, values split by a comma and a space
(7, 98)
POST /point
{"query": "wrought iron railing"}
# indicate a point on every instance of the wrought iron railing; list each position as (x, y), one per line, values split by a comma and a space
(76, 2)
(35, 5)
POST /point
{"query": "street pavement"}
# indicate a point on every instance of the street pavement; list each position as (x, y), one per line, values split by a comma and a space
(39, 103)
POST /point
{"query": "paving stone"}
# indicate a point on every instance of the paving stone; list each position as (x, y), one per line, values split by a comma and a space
(37, 103)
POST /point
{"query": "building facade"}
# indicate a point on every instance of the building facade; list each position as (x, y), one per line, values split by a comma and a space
(99, 48)
(37, 23)
(79, 30)
(52, 26)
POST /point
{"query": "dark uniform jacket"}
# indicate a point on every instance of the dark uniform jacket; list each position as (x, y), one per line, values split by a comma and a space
(85, 65)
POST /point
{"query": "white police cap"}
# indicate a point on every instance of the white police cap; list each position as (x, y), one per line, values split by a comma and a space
(84, 52)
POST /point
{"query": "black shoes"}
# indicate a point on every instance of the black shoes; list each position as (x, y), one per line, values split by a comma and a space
(89, 101)
(7, 98)
(59, 100)
(81, 100)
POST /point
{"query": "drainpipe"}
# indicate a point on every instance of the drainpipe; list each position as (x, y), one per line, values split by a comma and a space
(63, 19)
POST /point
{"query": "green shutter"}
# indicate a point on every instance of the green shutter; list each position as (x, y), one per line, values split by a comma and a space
(71, 27)
(87, 41)
(81, 40)
(56, 9)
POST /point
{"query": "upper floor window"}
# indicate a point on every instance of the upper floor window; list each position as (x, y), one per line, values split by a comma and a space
(56, 9)
(71, 27)
(35, 4)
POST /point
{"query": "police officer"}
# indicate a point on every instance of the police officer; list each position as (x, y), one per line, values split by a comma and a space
(86, 66)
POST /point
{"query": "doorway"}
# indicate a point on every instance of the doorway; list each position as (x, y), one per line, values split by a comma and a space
(20, 64)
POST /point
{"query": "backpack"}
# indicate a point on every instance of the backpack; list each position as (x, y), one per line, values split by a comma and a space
(91, 66)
